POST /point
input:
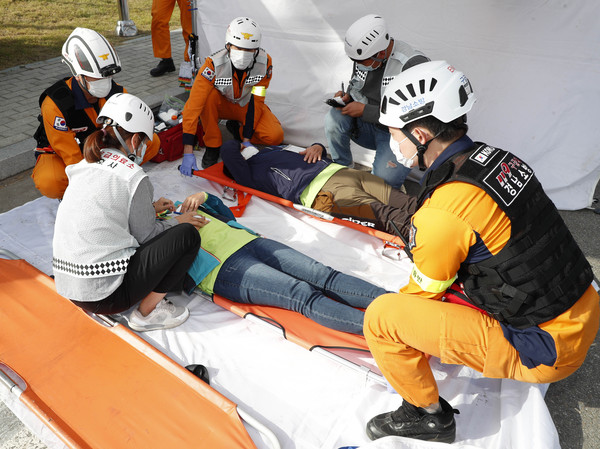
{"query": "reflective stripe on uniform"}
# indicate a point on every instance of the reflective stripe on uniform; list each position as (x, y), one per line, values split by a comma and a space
(261, 91)
(428, 284)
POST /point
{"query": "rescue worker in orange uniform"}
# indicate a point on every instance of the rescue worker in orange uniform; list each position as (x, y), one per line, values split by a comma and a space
(69, 109)
(483, 220)
(231, 85)
(162, 10)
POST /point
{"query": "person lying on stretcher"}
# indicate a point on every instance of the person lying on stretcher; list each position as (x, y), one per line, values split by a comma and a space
(110, 253)
(309, 177)
(237, 264)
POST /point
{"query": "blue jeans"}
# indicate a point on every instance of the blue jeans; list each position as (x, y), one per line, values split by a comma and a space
(270, 273)
(338, 132)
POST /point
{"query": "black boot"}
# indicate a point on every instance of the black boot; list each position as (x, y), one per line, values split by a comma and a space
(233, 126)
(164, 66)
(414, 422)
(211, 157)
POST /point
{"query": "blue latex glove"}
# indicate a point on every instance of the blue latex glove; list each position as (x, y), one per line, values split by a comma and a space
(188, 164)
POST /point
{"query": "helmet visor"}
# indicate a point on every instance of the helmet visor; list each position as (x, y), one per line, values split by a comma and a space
(82, 59)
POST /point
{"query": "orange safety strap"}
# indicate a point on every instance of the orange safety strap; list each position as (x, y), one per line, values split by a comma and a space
(243, 199)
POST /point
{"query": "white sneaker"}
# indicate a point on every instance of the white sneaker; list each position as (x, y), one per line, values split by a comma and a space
(164, 316)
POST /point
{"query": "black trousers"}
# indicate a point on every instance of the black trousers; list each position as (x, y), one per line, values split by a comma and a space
(159, 265)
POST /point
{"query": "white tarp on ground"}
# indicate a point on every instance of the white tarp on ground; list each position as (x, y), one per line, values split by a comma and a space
(534, 65)
(309, 401)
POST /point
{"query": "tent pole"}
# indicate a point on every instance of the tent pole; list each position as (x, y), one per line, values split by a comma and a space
(125, 26)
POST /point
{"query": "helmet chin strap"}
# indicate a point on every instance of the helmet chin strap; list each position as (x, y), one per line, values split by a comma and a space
(421, 147)
(385, 56)
(84, 85)
(130, 154)
(251, 66)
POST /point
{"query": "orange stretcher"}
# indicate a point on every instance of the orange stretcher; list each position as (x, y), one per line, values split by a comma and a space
(312, 336)
(215, 173)
(96, 384)
(303, 331)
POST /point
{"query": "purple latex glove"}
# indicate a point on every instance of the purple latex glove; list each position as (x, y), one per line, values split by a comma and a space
(188, 164)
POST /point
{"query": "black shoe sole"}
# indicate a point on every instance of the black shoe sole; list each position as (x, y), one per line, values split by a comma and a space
(442, 437)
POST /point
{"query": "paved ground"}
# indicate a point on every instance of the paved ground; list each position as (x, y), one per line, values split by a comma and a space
(574, 403)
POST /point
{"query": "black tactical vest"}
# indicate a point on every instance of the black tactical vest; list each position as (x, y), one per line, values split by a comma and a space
(77, 120)
(541, 272)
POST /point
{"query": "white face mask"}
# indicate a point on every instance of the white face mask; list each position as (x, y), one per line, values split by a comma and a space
(99, 88)
(402, 160)
(365, 68)
(240, 59)
(373, 66)
(140, 153)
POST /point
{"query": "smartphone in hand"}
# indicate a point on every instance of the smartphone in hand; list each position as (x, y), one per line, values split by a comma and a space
(335, 102)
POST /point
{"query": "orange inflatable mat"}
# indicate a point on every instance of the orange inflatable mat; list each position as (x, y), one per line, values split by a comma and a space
(98, 385)
(215, 173)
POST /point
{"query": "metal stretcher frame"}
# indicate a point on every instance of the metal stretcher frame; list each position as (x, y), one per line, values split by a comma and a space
(95, 383)
(304, 332)
(215, 174)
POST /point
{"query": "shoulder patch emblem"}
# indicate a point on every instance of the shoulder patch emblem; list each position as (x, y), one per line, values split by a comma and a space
(483, 154)
(60, 124)
(509, 178)
(412, 239)
(208, 73)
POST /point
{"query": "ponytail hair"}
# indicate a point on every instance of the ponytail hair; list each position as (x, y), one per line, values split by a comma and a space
(101, 139)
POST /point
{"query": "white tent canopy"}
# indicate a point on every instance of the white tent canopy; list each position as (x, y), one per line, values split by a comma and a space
(535, 66)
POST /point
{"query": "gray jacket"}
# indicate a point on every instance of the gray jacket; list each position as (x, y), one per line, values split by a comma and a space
(402, 53)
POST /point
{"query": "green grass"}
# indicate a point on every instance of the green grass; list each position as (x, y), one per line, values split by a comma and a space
(35, 30)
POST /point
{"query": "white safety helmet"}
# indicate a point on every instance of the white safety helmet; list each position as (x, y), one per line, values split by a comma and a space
(433, 88)
(243, 32)
(87, 52)
(128, 112)
(366, 37)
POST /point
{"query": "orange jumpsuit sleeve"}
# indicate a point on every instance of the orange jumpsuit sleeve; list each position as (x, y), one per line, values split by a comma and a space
(442, 242)
(266, 80)
(204, 82)
(445, 229)
(61, 138)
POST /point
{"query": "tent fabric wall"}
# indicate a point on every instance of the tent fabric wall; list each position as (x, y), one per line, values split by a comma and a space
(534, 65)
